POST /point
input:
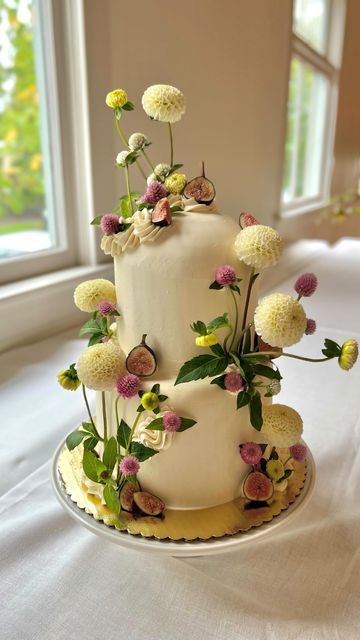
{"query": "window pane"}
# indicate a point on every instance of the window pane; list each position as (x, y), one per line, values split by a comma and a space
(307, 106)
(26, 223)
(310, 22)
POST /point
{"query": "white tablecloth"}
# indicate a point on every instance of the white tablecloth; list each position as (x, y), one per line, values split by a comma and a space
(58, 581)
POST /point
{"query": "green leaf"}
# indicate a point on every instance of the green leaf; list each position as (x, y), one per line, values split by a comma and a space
(247, 341)
(128, 106)
(111, 498)
(141, 452)
(132, 479)
(200, 367)
(174, 168)
(96, 220)
(219, 381)
(155, 388)
(236, 359)
(156, 425)
(95, 338)
(117, 112)
(332, 349)
(91, 466)
(162, 398)
(218, 323)
(123, 434)
(87, 426)
(186, 423)
(110, 453)
(199, 327)
(287, 473)
(256, 411)
(74, 439)
(216, 285)
(176, 210)
(91, 326)
(253, 278)
(265, 372)
(90, 443)
(234, 287)
(243, 398)
(218, 350)
(262, 447)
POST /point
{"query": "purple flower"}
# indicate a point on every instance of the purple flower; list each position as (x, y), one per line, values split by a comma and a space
(154, 192)
(298, 452)
(110, 224)
(251, 452)
(234, 382)
(306, 285)
(129, 466)
(106, 308)
(128, 386)
(225, 275)
(171, 421)
(310, 327)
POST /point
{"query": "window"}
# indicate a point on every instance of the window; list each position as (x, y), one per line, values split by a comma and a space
(315, 60)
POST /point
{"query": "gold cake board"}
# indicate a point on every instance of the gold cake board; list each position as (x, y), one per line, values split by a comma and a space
(175, 525)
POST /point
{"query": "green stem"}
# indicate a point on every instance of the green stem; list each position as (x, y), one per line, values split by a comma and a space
(227, 340)
(104, 415)
(128, 188)
(117, 412)
(247, 302)
(236, 318)
(132, 433)
(148, 160)
(288, 355)
(89, 412)
(171, 145)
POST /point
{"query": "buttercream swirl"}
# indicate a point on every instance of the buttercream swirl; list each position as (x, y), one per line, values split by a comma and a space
(157, 440)
(191, 206)
(115, 244)
(144, 229)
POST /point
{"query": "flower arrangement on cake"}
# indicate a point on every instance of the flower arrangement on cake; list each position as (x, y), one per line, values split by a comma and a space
(175, 257)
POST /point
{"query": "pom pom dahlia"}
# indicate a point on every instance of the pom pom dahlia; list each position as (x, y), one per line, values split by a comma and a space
(258, 246)
(251, 452)
(164, 103)
(349, 354)
(88, 294)
(298, 452)
(116, 98)
(171, 421)
(100, 365)
(110, 224)
(138, 141)
(279, 319)
(150, 401)
(306, 285)
(175, 184)
(128, 385)
(233, 382)
(129, 466)
(310, 327)
(282, 425)
(106, 308)
(225, 275)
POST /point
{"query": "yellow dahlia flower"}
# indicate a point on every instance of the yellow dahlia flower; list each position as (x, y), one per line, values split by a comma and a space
(175, 183)
(206, 341)
(258, 246)
(88, 294)
(349, 354)
(164, 103)
(116, 98)
(100, 365)
(282, 425)
(149, 401)
(275, 469)
(279, 319)
(68, 379)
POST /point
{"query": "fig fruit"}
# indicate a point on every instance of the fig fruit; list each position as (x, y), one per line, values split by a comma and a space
(257, 487)
(149, 504)
(127, 495)
(161, 214)
(201, 189)
(141, 360)
(247, 219)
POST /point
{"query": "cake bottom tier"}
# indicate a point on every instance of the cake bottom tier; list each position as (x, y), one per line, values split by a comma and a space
(201, 467)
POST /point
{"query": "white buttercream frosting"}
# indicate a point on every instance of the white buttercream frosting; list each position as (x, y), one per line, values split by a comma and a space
(144, 229)
(191, 206)
(115, 244)
(94, 488)
(158, 440)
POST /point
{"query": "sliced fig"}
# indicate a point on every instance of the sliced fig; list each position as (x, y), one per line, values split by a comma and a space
(247, 219)
(149, 504)
(161, 214)
(127, 495)
(141, 360)
(258, 487)
(201, 189)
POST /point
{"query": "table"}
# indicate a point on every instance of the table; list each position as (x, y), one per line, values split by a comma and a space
(60, 582)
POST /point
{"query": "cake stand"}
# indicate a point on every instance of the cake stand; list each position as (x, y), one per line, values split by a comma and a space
(182, 548)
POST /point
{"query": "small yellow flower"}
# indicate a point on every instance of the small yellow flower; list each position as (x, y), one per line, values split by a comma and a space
(116, 98)
(175, 183)
(275, 469)
(349, 354)
(149, 401)
(68, 379)
(206, 341)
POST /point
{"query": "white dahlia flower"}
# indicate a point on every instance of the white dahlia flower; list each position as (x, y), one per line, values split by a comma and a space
(282, 425)
(100, 365)
(164, 103)
(280, 320)
(90, 293)
(258, 246)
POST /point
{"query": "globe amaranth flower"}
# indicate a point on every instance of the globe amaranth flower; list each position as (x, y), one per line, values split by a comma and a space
(258, 246)
(298, 452)
(129, 466)
(155, 191)
(275, 469)
(88, 294)
(110, 224)
(121, 158)
(128, 385)
(280, 320)
(206, 341)
(116, 98)
(100, 365)
(175, 183)
(306, 285)
(282, 425)
(349, 354)
(273, 388)
(225, 275)
(151, 178)
(310, 327)
(233, 382)
(138, 141)
(106, 308)
(251, 452)
(164, 103)
(161, 171)
(68, 378)
(150, 401)
(171, 421)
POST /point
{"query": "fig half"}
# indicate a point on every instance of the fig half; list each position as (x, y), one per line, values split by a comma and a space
(201, 189)
(161, 214)
(258, 487)
(247, 219)
(127, 495)
(149, 504)
(141, 360)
